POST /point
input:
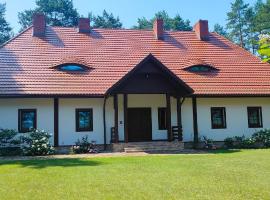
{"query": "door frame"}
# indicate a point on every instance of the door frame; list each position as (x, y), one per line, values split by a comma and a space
(150, 118)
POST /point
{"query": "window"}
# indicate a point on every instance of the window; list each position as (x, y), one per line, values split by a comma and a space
(71, 67)
(218, 117)
(84, 120)
(254, 117)
(27, 120)
(200, 68)
(162, 121)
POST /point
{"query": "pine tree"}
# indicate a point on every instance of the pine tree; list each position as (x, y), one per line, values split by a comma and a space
(106, 20)
(5, 29)
(175, 23)
(58, 13)
(220, 30)
(237, 22)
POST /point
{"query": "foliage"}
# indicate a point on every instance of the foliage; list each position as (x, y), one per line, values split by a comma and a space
(175, 23)
(220, 30)
(84, 146)
(5, 29)
(264, 47)
(106, 20)
(208, 143)
(262, 136)
(37, 143)
(58, 13)
(229, 142)
(258, 139)
(262, 18)
(10, 151)
(6, 136)
(238, 22)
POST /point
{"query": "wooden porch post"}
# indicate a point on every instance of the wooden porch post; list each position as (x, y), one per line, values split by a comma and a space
(179, 119)
(115, 101)
(125, 118)
(195, 122)
(168, 117)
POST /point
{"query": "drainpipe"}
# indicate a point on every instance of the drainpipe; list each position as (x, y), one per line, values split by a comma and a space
(104, 122)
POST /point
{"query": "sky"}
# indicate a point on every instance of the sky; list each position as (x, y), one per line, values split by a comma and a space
(130, 10)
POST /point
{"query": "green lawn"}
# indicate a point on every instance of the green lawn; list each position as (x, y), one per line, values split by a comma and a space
(224, 175)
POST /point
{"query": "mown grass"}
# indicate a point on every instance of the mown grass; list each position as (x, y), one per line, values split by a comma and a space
(241, 174)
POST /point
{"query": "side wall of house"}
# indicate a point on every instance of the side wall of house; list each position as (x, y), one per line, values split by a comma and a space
(236, 116)
(9, 112)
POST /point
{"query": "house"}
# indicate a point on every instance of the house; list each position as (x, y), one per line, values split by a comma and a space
(131, 85)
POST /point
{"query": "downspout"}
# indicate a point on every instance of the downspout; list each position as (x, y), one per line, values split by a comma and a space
(104, 122)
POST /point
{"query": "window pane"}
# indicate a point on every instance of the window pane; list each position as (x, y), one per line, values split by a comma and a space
(218, 117)
(27, 120)
(162, 122)
(71, 68)
(84, 119)
(254, 117)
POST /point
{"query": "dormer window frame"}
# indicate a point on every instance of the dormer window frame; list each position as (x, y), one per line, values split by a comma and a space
(208, 67)
(83, 68)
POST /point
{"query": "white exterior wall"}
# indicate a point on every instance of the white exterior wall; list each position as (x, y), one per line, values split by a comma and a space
(67, 124)
(9, 112)
(236, 116)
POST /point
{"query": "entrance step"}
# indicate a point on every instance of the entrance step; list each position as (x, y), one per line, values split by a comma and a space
(159, 146)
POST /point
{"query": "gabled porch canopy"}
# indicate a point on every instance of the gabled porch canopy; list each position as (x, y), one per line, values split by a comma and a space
(150, 76)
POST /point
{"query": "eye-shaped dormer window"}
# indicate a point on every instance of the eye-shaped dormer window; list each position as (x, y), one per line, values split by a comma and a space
(200, 68)
(72, 68)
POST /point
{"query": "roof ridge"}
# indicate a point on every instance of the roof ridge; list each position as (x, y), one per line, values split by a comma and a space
(14, 37)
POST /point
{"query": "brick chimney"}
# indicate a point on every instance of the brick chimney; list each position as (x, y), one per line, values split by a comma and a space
(158, 29)
(84, 25)
(39, 25)
(201, 30)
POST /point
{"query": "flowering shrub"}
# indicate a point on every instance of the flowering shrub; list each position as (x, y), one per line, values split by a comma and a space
(37, 143)
(263, 137)
(84, 146)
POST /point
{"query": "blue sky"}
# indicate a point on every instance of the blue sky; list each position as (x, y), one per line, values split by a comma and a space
(129, 10)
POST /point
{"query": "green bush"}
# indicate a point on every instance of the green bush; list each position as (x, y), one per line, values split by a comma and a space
(10, 151)
(239, 142)
(229, 142)
(247, 143)
(263, 137)
(84, 146)
(37, 143)
(7, 136)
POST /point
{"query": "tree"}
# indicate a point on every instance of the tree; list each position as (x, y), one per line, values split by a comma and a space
(237, 22)
(220, 30)
(58, 13)
(106, 20)
(175, 23)
(5, 29)
(264, 47)
(262, 18)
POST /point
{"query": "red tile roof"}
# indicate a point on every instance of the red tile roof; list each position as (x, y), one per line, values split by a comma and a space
(26, 62)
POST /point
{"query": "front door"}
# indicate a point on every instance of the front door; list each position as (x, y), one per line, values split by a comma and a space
(139, 124)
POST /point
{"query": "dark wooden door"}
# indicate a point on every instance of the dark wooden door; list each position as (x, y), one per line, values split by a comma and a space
(139, 124)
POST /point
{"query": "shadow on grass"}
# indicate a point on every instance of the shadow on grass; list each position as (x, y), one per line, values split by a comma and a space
(224, 151)
(198, 151)
(64, 162)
